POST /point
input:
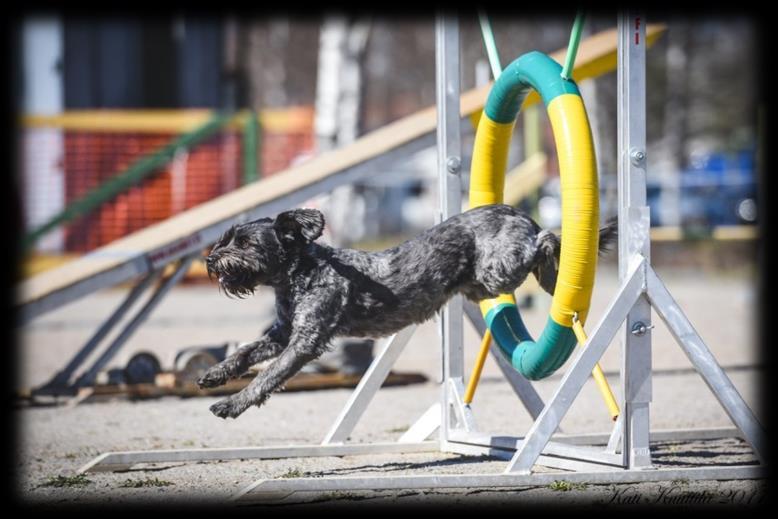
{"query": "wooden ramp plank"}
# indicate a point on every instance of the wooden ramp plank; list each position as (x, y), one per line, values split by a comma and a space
(147, 249)
(525, 179)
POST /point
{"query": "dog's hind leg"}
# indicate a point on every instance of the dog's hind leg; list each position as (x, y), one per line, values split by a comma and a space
(268, 346)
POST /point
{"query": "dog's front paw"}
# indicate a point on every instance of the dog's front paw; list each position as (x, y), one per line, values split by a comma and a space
(226, 408)
(216, 376)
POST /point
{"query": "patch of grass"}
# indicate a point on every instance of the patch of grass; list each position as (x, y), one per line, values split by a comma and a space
(148, 482)
(292, 473)
(398, 429)
(682, 481)
(79, 480)
(564, 486)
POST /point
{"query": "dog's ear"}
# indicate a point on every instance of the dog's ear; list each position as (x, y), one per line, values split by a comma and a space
(299, 225)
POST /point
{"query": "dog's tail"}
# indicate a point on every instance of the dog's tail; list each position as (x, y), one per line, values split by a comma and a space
(547, 256)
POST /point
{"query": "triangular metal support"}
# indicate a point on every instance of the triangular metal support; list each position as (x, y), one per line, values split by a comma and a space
(641, 282)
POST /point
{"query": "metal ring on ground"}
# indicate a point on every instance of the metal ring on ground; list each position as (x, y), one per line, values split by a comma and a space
(580, 208)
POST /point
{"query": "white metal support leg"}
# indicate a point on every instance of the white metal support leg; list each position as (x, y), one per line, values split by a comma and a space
(368, 386)
(706, 365)
(449, 170)
(585, 358)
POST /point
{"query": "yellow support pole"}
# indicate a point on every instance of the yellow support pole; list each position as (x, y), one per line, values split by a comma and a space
(598, 375)
(472, 383)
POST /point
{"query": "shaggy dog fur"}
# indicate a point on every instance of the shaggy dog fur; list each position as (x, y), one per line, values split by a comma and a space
(324, 292)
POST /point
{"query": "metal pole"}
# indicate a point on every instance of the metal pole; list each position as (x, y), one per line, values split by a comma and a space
(449, 166)
(368, 386)
(62, 378)
(126, 333)
(634, 234)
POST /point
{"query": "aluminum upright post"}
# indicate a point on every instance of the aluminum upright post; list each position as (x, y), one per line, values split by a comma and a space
(449, 166)
(634, 234)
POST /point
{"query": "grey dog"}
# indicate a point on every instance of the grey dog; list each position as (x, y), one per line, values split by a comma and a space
(324, 292)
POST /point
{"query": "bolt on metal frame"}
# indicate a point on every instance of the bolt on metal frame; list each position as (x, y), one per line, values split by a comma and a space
(626, 458)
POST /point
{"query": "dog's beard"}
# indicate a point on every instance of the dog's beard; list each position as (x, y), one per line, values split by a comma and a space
(235, 275)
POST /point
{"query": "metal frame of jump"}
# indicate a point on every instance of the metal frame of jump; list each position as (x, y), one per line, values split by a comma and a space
(626, 455)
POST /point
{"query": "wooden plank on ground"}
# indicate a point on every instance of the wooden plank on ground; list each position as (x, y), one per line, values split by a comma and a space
(168, 385)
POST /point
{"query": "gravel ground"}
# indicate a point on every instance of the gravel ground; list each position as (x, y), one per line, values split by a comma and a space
(55, 441)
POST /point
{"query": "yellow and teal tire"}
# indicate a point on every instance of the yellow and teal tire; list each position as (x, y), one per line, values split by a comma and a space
(580, 208)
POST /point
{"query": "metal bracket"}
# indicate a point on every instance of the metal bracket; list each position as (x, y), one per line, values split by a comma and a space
(639, 329)
(637, 157)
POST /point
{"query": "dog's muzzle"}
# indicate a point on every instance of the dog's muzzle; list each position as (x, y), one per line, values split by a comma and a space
(210, 262)
(234, 281)
(211, 268)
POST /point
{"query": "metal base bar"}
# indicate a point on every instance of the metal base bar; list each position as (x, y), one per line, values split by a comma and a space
(512, 443)
(657, 435)
(271, 489)
(114, 461)
(556, 462)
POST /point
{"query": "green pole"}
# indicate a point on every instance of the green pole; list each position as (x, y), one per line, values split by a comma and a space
(531, 115)
(126, 179)
(572, 46)
(490, 44)
(250, 134)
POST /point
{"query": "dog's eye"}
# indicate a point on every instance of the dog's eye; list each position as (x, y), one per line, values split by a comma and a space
(241, 241)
